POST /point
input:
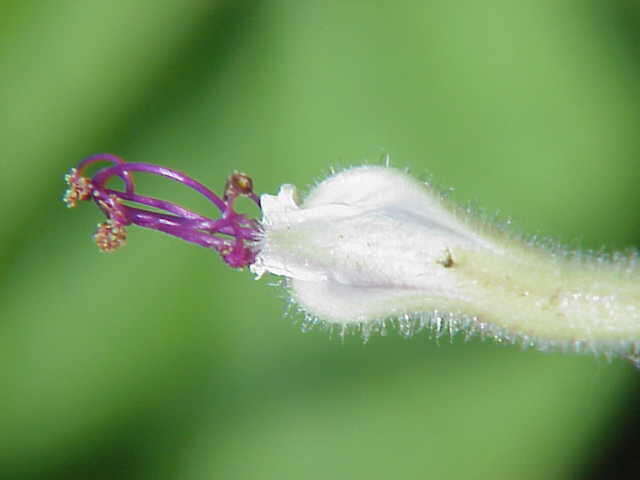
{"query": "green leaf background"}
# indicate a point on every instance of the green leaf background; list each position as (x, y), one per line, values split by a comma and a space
(158, 362)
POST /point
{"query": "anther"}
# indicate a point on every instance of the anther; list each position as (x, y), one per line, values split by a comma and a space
(110, 236)
(79, 188)
(238, 184)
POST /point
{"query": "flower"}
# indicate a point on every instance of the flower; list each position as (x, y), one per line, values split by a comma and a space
(232, 235)
(371, 245)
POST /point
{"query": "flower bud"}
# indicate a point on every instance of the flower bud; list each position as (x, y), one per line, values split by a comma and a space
(371, 245)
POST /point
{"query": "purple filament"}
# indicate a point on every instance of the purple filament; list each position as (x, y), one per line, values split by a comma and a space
(233, 235)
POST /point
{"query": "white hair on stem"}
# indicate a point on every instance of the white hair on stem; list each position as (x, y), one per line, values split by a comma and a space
(371, 246)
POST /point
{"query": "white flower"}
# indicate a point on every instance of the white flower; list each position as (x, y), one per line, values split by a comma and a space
(371, 244)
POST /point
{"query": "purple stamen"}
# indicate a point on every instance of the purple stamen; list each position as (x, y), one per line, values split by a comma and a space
(233, 235)
(108, 157)
(102, 176)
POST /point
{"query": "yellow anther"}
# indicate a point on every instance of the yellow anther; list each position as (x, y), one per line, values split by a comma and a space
(110, 237)
(79, 188)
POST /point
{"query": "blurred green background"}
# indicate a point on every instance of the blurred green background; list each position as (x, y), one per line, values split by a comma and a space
(159, 362)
